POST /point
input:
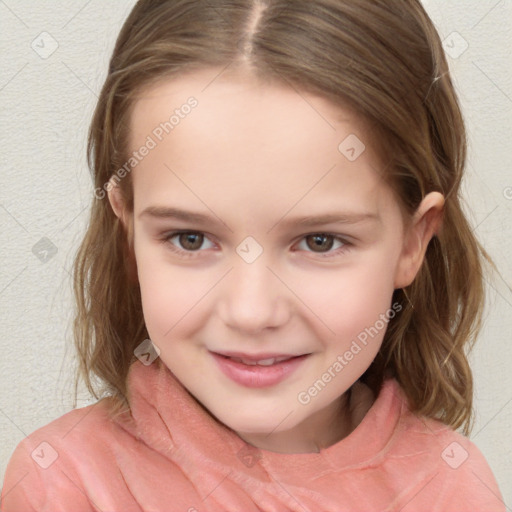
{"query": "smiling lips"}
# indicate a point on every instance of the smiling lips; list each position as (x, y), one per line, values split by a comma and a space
(257, 371)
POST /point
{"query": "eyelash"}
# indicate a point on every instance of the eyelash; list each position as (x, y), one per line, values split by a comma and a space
(191, 254)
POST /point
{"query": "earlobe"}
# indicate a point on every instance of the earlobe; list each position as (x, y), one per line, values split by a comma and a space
(425, 223)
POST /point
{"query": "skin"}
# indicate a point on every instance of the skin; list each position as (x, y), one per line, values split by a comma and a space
(253, 156)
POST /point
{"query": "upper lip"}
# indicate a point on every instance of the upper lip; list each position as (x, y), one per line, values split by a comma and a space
(258, 357)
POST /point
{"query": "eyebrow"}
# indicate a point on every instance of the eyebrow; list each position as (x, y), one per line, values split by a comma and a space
(331, 218)
(163, 212)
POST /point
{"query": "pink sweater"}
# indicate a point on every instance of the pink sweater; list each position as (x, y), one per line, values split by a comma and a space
(170, 454)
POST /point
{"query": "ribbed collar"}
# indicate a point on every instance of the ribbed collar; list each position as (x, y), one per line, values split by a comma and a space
(167, 418)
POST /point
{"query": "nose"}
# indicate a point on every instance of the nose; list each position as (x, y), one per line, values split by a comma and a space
(252, 298)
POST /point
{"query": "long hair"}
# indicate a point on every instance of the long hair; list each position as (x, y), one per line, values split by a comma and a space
(383, 59)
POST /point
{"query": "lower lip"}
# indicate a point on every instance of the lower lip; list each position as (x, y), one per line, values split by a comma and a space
(255, 376)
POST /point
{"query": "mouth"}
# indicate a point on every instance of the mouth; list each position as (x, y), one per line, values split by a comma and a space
(266, 359)
(258, 370)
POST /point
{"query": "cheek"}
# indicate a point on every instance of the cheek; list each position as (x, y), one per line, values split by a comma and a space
(358, 308)
(164, 292)
(176, 300)
(351, 299)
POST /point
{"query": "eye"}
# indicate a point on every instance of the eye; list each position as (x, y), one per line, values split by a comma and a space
(322, 243)
(191, 241)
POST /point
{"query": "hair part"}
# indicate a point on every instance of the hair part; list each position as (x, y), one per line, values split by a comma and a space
(350, 52)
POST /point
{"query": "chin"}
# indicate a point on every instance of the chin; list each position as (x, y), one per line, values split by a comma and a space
(258, 421)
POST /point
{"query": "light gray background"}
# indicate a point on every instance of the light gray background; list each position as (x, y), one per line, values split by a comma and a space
(45, 192)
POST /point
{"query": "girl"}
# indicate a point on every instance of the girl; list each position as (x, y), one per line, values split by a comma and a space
(278, 284)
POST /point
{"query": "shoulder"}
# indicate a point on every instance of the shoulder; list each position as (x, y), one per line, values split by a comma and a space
(55, 457)
(455, 476)
(82, 428)
(92, 459)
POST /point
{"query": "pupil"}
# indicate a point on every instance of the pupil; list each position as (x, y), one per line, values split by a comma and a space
(320, 241)
(188, 238)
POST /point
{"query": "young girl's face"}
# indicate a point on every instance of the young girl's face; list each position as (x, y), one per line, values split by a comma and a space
(249, 173)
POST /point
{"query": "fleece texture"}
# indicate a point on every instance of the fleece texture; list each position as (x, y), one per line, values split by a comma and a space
(168, 453)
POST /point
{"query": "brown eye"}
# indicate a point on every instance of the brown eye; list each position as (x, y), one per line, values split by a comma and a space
(325, 245)
(186, 244)
(320, 242)
(191, 241)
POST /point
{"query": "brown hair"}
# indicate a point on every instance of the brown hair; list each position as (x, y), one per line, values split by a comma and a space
(385, 60)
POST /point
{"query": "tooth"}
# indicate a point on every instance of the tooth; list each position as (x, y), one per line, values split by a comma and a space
(244, 361)
(267, 362)
(262, 362)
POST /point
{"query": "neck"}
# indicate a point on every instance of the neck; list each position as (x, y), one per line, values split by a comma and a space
(319, 431)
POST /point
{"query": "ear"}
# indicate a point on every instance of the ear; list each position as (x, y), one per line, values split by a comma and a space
(425, 223)
(118, 203)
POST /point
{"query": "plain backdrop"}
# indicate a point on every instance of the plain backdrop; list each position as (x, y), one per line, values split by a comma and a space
(54, 58)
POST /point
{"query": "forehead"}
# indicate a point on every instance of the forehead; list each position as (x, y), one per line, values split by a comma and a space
(238, 97)
(267, 142)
